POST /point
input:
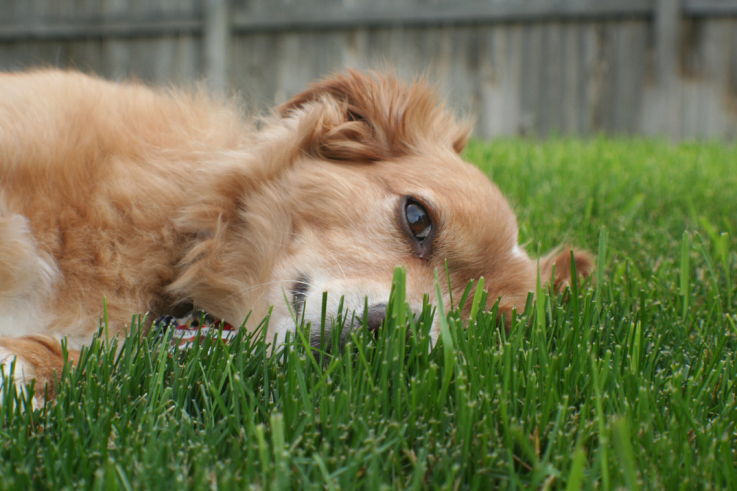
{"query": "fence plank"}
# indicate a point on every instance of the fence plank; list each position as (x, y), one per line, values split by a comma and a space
(568, 123)
(532, 65)
(493, 90)
(667, 30)
(216, 34)
(550, 113)
(628, 75)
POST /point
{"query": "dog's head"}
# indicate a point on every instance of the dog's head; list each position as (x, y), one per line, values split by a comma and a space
(374, 180)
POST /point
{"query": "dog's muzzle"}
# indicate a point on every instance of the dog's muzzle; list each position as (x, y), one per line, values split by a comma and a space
(375, 316)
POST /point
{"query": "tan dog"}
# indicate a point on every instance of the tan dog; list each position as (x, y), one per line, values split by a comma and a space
(151, 197)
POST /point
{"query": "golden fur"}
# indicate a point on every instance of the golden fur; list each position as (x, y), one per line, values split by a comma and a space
(150, 197)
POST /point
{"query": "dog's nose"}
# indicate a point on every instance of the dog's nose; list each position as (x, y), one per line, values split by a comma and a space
(375, 316)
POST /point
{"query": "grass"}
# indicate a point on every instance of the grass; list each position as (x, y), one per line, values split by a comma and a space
(626, 383)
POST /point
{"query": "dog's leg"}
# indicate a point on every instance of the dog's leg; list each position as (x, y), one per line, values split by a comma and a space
(38, 357)
(27, 276)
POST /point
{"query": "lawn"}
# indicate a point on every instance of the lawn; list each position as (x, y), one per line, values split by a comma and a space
(626, 381)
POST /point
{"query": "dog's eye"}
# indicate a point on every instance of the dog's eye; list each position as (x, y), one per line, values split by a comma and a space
(418, 220)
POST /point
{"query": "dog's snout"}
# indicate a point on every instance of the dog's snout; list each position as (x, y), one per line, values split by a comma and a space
(375, 316)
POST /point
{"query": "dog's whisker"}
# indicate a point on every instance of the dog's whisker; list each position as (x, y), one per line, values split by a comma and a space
(332, 256)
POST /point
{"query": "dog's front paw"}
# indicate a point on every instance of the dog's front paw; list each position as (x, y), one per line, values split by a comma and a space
(15, 375)
(555, 268)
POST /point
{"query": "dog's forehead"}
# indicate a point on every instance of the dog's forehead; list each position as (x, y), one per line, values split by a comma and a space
(456, 190)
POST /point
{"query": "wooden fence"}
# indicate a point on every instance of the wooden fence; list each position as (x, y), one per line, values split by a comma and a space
(534, 67)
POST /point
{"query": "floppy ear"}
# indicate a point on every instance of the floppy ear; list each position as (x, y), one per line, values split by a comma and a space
(558, 262)
(462, 134)
(368, 117)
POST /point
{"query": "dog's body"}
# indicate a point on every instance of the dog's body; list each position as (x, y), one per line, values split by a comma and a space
(149, 198)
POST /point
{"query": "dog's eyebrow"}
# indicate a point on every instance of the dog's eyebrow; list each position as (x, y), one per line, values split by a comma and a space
(384, 183)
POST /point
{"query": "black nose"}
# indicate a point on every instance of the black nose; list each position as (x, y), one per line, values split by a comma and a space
(375, 316)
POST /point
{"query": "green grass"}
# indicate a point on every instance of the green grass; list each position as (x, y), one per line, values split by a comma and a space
(626, 383)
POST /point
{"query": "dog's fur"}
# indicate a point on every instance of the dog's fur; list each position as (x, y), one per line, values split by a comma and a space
(151, 197)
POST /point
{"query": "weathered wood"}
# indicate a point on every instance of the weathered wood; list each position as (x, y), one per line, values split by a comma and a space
(667, 28)
(594, 76)
(98, 27)
(712, 119)
(570, 98)
(550, 114)
(216, 37)
(628, 75)
(590, 66)
(88, 22)
(116, 52)
(350, 15)
(492, 78)
(730, 97)
(667, 36)
(532, 87)
(709, 8)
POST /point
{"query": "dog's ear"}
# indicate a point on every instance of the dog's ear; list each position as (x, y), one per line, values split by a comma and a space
(558, 263)
(368, 117)
(462, 136)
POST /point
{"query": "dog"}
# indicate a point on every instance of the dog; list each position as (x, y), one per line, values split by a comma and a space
(151, 197)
